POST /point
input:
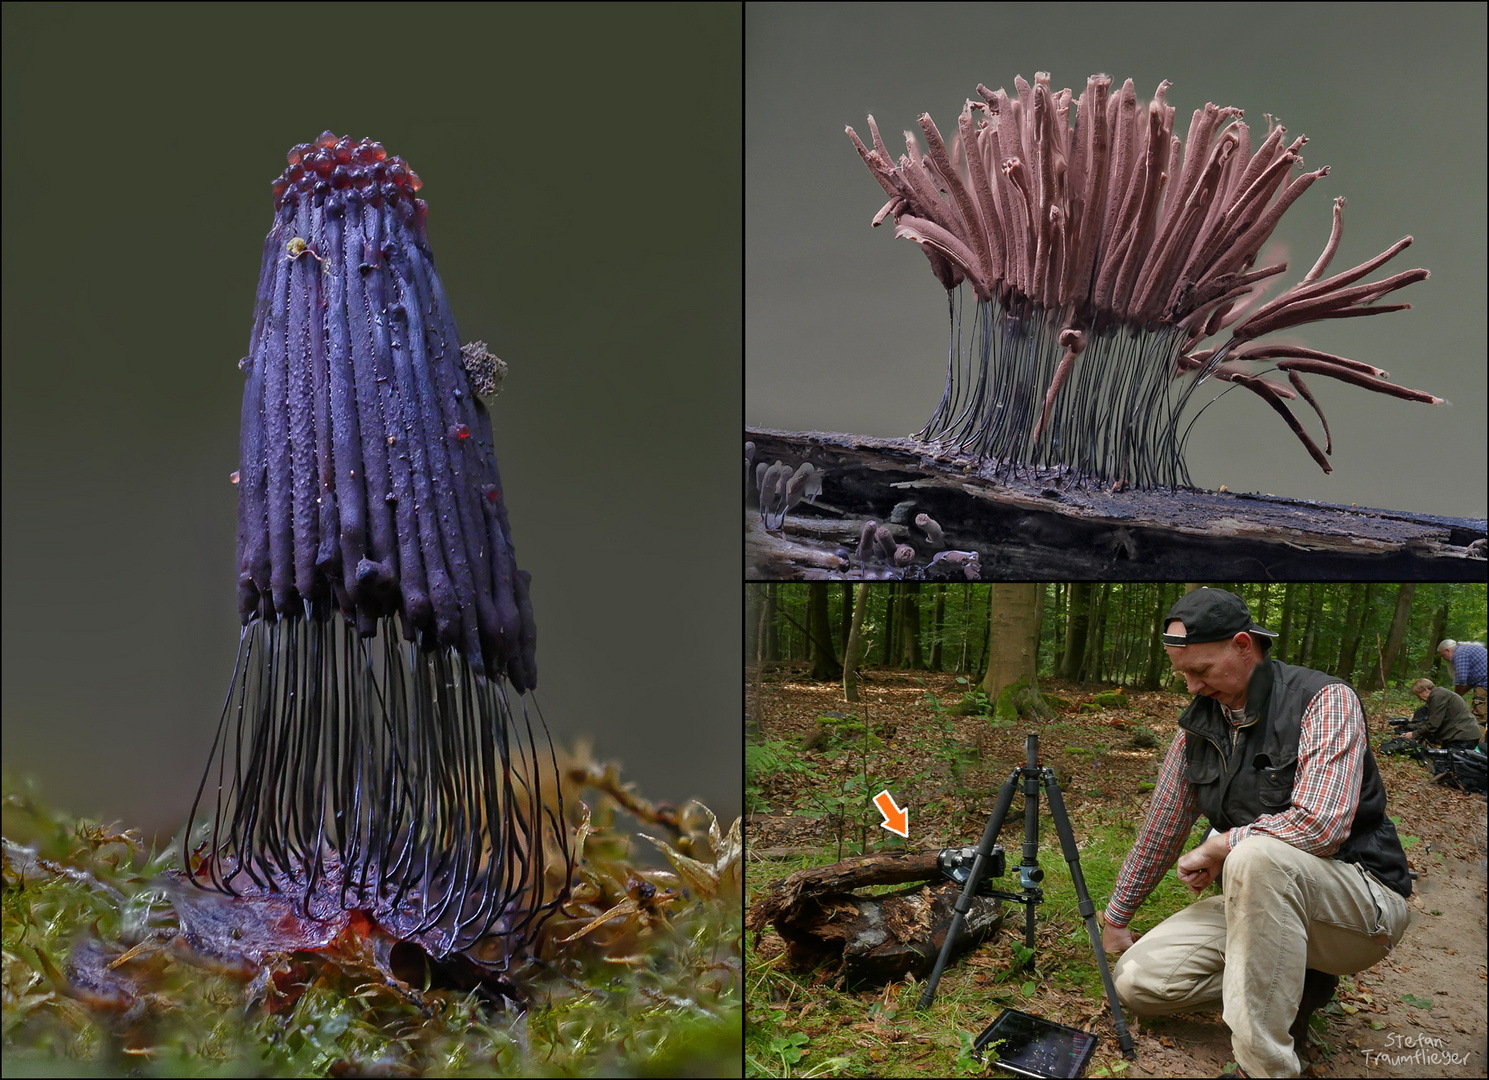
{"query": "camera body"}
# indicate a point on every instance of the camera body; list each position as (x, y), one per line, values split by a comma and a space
(956, 865)
(1400, 723)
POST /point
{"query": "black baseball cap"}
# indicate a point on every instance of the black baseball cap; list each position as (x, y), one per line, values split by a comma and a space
(1210, 615)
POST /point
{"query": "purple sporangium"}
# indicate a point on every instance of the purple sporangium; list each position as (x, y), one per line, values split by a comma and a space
(378, 753)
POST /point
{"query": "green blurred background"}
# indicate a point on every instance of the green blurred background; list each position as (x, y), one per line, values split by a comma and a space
(583, 172)
(846, 327)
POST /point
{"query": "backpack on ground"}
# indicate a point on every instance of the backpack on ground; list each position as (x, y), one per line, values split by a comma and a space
(1463, 769)
(1405, 746)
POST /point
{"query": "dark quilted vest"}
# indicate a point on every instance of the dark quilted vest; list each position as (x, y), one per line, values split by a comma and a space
(1256, 777)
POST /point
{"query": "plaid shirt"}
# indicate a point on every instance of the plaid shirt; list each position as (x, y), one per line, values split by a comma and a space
(1469, 666)
(1326, 790)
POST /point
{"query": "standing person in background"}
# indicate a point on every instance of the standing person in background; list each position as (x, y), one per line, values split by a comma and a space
(1469, 670)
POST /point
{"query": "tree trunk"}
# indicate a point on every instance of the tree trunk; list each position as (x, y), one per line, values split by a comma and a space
(1439, 628)
(1349, 651)
(1310, 627)
(809, 632)
(1062, 593)
(961, 664)
(985, 622)
(1077, 625)
(758, 594)
(1434, 635)
(1263, 598)
(1350, 630)
(1096, 639)
(1154, 671)
(911, 653)
(754, 601)
(846, 621)
(855, 644)
(1394, 636)
(1012, 679)
(772, 630)
(1284, 632)
(825, 666)
(938, 627)
(1123, 651)
(891, 596)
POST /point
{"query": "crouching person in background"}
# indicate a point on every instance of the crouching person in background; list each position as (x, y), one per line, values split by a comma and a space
(1448, 722)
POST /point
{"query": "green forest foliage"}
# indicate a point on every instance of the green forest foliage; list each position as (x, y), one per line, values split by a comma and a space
(1338, 627)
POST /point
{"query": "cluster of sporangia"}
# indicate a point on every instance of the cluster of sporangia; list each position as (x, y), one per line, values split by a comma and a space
(345, 164)
(877, 546)
(1101, 257)
(781, 488)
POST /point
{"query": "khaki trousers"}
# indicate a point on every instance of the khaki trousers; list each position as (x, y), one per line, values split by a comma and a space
(1283, 911)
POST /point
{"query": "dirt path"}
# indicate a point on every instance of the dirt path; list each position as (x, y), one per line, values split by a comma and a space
(1440, 960)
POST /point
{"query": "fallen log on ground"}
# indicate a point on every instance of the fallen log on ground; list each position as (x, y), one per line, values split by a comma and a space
(1038, 525)
(875, 939)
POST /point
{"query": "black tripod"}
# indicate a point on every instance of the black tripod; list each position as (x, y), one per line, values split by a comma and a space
(1030, 875)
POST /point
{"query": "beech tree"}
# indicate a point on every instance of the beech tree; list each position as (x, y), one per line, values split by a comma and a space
(1077, 622)
(854, 644)
(1374, 678)
(824, 662)
(1012, 679)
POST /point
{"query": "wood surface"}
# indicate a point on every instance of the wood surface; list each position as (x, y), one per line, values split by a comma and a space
(1038, 525)
(869, 940)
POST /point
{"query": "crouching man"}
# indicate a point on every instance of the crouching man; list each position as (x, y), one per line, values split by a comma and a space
(1277, 758)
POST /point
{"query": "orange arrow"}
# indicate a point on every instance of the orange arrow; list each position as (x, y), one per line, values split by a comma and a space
(895, 820)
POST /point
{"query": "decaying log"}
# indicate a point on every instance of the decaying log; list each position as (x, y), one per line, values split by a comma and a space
(1039, 526)
(875, 939)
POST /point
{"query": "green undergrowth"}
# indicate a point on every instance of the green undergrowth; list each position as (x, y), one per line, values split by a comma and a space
(811, 1024)
(673, 1010)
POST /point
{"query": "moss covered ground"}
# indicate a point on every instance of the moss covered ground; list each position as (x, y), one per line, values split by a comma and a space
(95, 983)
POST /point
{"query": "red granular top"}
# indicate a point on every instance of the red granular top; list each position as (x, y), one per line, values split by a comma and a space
(342, 164)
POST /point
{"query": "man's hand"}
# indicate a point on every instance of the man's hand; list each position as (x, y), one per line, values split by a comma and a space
(1202, 865)
(1116, 939)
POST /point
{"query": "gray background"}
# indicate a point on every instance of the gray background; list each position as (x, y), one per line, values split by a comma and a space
(582, 167)
(846, 327)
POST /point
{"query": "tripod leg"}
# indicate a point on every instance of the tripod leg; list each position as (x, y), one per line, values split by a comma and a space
(964, 901)
(1029, 873)
(1087, 909)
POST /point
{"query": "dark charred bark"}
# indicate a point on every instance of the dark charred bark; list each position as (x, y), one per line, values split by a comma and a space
(1038, 527)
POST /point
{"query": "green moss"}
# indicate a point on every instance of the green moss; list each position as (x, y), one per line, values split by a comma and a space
(1020, 699)
(674, 1009)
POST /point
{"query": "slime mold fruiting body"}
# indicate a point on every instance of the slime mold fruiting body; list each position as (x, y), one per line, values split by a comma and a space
(383, 755)
(1101, 257)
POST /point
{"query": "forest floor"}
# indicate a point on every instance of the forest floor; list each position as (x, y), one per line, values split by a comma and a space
(808, 803)
(101, 974)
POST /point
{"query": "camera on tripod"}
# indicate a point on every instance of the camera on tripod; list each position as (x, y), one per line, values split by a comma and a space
(1400, 723)
(955, 864)
(973, 867)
